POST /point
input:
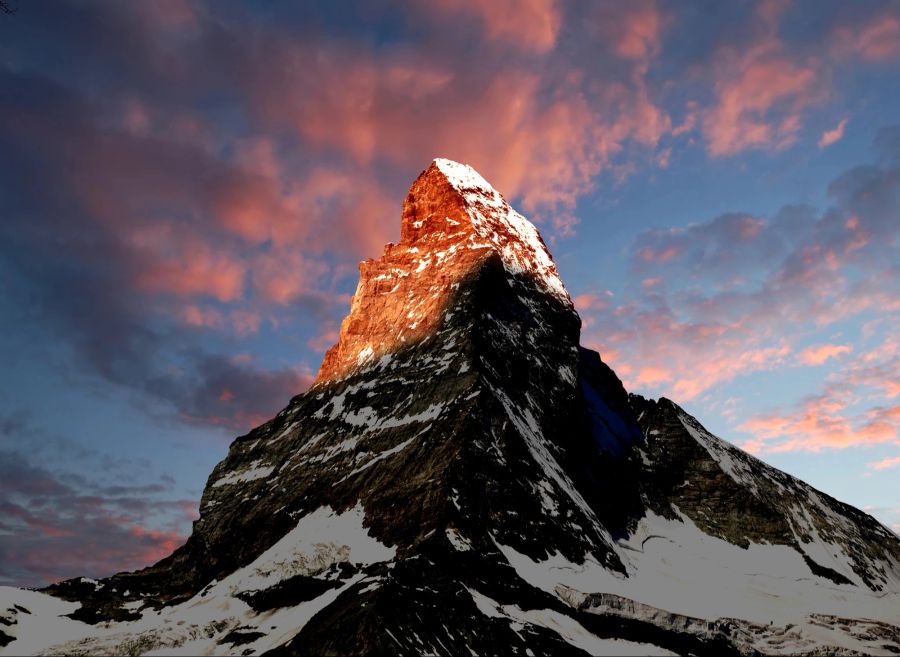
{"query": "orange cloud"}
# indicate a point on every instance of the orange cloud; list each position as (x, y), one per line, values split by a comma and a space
(816, 355)
(834, 135)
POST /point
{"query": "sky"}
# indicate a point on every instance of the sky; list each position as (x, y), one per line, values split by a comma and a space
(186, 189)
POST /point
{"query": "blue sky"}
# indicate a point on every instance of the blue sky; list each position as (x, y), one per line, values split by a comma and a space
(186, 189)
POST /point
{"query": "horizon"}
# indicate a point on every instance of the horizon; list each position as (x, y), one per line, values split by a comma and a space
(188, 187)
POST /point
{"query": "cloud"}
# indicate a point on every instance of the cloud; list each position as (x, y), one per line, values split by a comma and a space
(742, 293)
(58, 523)
(818, 354)
(821, 422)
(529, 25)
(639, 32)
(834, 135)
(873, 37)
(854, 408)
(885, 463)
(761, 87)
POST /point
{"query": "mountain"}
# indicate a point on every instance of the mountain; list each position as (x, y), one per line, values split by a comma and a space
(464, 478)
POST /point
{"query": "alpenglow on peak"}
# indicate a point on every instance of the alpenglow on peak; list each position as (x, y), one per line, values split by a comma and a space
(452, 221)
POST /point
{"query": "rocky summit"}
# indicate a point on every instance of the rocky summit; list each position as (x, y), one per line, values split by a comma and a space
(464, 478)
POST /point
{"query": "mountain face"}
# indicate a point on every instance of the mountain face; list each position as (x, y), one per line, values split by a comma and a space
(464, 478)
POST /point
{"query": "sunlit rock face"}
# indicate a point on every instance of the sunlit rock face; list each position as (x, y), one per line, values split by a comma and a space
(452, 221)
(464, 478)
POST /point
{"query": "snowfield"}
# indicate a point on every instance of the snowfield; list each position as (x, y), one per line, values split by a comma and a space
(199, 625)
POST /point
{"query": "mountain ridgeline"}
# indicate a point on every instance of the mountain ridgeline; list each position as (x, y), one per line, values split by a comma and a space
(464, 478)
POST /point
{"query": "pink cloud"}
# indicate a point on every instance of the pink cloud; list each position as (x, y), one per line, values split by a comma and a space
(758, 104)
(652, 350)
(878, 39)
(821, 422)
(659, 255)
(524, 24)
(541, 134)
(281, 276)
(652, 375)
(590, 301)
(245, 322)
(877, 369)
(817, 355)
(885, 463)
(761, 89)
(195, 268)
(639, 31)
(834, 135)
(195, 315)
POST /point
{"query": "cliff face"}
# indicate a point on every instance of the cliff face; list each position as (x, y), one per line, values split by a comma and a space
(453, 220)
(464, 477)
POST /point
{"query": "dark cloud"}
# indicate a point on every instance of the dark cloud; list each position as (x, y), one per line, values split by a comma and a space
(59, 524)
(75, 197)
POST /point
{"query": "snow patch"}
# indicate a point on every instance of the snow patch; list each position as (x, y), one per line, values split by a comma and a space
(569, 629)
(458, 541)
(253, 472)
(674, 566)
(525, 252)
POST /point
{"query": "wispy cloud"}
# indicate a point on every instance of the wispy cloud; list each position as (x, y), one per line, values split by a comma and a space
(885, 463)
(833, 136)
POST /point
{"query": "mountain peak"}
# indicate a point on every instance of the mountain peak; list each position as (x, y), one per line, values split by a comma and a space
(453, 201)
(467, 479)
(453, 220)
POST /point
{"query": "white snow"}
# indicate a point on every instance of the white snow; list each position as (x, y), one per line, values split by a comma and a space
(196, 626)
(320, 539)
(674, 566)
(365, 354)
(458, 541)
(570, 630)
(526, 251)
(381, 456)
(723, 453)
(255, 471)
(566, 373)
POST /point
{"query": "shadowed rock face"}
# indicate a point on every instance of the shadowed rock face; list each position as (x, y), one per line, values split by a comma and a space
(730, 494)
(463, 476)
